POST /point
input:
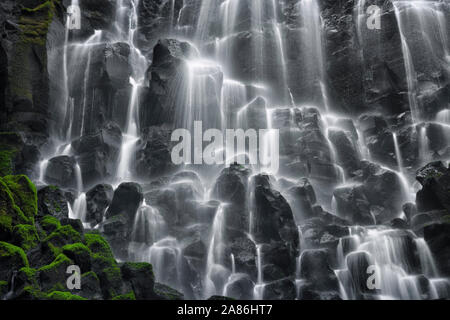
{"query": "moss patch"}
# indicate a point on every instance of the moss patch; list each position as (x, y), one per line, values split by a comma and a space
(49, 224)
(59, 295)
(63, 235)
(24, 194)
(128, 296)
(25, 236)
(11, 258)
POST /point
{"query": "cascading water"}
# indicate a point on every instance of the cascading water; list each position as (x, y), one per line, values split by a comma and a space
(186, 227)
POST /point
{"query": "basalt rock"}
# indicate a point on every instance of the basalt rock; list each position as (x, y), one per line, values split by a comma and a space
(126, 200)
(98, 200)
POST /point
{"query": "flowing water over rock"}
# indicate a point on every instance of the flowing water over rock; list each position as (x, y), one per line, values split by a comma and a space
(356, 113)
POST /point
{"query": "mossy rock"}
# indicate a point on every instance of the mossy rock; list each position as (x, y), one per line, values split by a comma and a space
(10, 145)
(90, 286)
(10, 213)
(128, 296)
(60, 295)
(25, 236)
(167, 293)
(80, 254)
(142, 279)
(12, 258)
(98, 245)
(24, 195)
(64, 235)
(53, 277)
(52, 201)
(4, 288)
(44, 254)
(49, 224)
(112, 283)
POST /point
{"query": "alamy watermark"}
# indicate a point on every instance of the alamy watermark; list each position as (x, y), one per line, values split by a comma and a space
(74, 280)
(215, 147)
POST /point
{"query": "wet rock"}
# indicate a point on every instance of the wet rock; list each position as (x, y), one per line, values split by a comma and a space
(273, 218)
(142, 279)
(435, 192)
(98, 200)
(61, 172)
(168, 66)
(352, 204)
(410, 210)
(346, 152)
(126, 200)
(280, 290)
(315, 269)
(437, 237)
(166, 293)
(302, 198)
(153, 157)
(240, 287)
(358, 264)
(52, 201)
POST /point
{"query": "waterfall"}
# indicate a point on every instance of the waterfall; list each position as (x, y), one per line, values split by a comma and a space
(214, 267)
(313, 46)
(268, 66)
(398, 154)
(391, 254)
(260, 285)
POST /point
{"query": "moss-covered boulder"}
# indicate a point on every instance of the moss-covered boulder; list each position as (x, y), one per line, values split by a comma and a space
(17, 204)
(42, 255)
(12, 258)
(80, 254)
(112, 283)
(10, 144)
(49, 224)
(53, 277)
(90, 286)
(24, 194)
(53, 202)
(164, 292)
(25, 236)
(142, 279)
(64, 235)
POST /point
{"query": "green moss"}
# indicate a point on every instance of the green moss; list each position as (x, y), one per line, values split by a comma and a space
(127, 296)
(53, 277)
(24, 194)
(10, 213)
(8, 250)
(10, 145)
(80, 254)
(11, 258)
(89, 274)
(111, 279)
(98, 245)
(64, 235)
(32, 293)
(28, 276)
(60, 259)
(50, 224)
(34, 22)
(59, 295)
(25, 236)
(7, 154)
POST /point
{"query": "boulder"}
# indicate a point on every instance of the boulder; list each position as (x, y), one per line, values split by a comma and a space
(126, 200)
(52, 201)
(98, 200)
